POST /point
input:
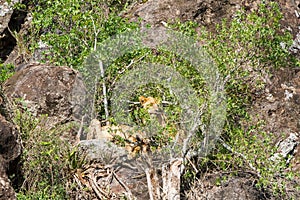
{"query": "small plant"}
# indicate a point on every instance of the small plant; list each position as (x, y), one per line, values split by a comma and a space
(6, 71)
(21, 46)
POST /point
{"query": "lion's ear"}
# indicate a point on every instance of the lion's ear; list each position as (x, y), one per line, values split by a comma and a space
(142, 99)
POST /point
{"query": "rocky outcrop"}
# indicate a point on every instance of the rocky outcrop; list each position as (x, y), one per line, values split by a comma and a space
(10, 24)
(57, 92)
(235, 188)
(206, 12)
(10, 149)
(6, 10)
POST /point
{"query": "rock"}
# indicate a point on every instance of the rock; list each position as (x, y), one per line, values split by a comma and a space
(58, 92)
(6, 190)
(295, 162)
(10, 149)
(205, 12)
(9, 141)
(295, 47)
(157, 12)
(101, 151)
(6, 10)
(234, 188)
(127, 175)
(286, 148)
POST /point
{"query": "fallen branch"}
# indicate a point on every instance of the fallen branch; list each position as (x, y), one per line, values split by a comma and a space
(130, 196)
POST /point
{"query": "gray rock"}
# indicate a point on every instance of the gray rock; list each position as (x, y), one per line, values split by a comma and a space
(6, 10)
(127, 177)
(286, 147)
(58, 92)
(295, 47)
(102, 151)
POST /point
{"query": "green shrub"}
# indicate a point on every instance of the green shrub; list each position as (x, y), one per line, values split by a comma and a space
(247, 49)
(48, 160)
(73, 28)
(6, 71)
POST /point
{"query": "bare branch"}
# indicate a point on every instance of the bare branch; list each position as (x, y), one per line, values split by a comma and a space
(229, 148)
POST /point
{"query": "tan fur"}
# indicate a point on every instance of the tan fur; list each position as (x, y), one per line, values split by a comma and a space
(135, 141)
(152, 106)
(148, 102)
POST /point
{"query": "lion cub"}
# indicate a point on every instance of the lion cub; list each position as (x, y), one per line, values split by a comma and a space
(152, 106)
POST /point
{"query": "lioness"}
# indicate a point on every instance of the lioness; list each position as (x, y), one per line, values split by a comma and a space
(133, 140)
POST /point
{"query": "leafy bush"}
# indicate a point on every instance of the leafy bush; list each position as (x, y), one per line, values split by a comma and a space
(73, 28)
(247, 49)
(6, 71)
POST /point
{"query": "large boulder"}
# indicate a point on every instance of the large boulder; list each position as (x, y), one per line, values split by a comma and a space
(58, 92)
